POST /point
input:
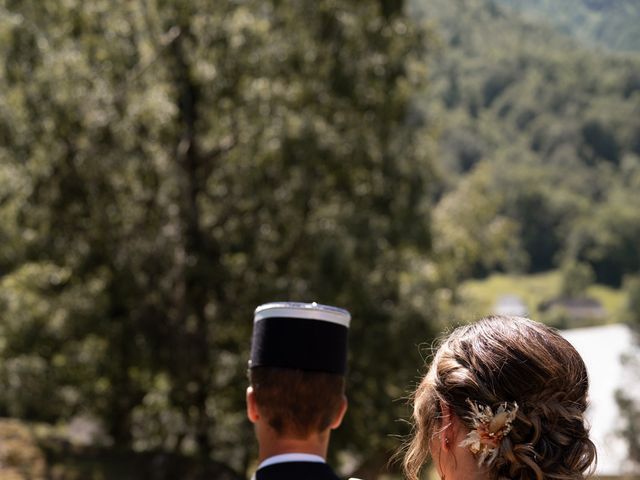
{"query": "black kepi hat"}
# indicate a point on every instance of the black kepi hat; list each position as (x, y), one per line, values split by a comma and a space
(302, 336)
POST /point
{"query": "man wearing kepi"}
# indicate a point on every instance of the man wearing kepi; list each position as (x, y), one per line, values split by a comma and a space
(296, 397)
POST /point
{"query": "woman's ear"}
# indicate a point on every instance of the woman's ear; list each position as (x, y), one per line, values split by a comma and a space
(446, 412)
(447, 433)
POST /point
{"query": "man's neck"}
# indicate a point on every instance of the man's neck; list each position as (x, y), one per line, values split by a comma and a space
(271, 445)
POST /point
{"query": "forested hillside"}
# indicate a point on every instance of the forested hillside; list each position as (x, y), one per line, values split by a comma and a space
(539, 146)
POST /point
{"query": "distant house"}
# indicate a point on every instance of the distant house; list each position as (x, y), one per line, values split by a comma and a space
(510, 305)
(603, 349)
(575, 308)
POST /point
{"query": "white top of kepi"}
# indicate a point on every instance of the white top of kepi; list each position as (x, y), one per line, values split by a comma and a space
(311, 311)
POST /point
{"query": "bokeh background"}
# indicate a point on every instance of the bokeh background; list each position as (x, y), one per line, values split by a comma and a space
(166, 166)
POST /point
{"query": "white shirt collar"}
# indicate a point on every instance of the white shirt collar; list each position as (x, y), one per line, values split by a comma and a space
(291, 457)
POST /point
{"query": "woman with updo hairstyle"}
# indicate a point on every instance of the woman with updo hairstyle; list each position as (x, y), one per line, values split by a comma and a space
(504, 398)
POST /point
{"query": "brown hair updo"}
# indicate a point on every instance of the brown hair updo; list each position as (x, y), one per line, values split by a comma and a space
(510, 359)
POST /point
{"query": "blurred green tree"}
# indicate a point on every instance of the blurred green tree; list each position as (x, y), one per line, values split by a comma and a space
(166, 166)
(632, 288)
(607, 238)
(576, 278)
(628, 404)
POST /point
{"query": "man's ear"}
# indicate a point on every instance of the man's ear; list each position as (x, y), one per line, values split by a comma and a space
(340, 415)
(252, 406)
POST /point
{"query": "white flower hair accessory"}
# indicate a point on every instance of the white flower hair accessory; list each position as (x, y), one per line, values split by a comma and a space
(489, 429)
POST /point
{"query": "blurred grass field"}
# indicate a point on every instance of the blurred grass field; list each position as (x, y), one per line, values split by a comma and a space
(480, 296)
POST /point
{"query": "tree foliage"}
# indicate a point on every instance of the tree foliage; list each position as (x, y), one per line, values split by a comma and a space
(166, 167)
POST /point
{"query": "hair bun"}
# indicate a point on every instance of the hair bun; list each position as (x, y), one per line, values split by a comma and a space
(508, 358)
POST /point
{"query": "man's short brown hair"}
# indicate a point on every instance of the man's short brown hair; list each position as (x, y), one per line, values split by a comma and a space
(297, 402)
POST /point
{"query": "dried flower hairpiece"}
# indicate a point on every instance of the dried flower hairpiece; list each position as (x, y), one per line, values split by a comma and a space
(488, 429)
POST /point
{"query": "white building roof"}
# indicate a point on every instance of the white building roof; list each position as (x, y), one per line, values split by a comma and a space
(602, 349)
(510, 305)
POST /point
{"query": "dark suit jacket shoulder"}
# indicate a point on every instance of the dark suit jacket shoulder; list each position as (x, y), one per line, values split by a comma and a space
(297, 471)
